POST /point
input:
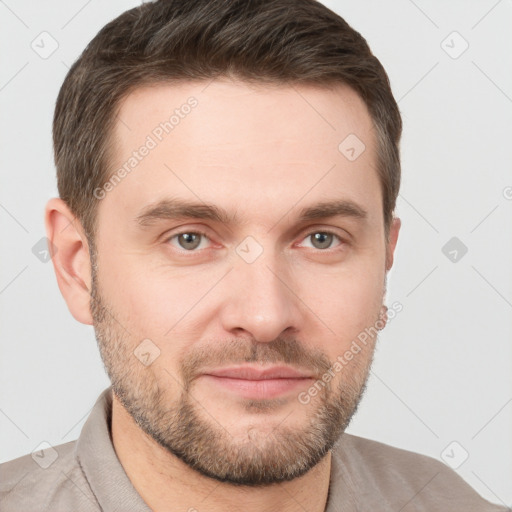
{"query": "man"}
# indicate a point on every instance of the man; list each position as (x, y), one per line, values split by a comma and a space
(228, 173)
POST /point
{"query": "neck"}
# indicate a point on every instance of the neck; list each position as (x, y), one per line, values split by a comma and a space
(166, 483)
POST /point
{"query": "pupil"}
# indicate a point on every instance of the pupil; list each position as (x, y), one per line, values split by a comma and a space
(323, 239)
(191, 240)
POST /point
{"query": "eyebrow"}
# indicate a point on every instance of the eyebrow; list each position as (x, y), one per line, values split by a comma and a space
(173, 209)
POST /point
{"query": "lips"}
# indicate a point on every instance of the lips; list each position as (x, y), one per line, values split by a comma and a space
(256, 382)
(259, 373)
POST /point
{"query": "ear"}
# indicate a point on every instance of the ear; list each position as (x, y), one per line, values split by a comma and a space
(391, 243)
(70, 255)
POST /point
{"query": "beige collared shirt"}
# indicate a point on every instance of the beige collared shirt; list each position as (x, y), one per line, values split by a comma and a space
(366, 476)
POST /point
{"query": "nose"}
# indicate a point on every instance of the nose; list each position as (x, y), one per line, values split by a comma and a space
(262, 299)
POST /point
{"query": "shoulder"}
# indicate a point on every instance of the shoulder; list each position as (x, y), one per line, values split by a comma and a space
(405, 479)
(49, 479)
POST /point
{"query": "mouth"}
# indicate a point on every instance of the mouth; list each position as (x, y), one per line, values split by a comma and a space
(258, 382)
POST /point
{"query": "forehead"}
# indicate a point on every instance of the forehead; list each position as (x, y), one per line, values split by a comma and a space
(254, 148)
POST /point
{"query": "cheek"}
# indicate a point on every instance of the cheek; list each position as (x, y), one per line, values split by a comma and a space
(153, 306)
(140, 301)
(159, 303)
(156, 302)
(348, 299)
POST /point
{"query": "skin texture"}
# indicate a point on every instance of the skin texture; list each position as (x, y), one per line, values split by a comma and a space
(261, 153)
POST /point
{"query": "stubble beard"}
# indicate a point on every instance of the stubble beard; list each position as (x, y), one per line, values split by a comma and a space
(186, 430)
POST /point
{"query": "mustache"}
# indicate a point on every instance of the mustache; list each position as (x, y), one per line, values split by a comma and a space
(236, 352)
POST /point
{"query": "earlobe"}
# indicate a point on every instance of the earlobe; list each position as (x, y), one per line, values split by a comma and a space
(70, 255)
(392, 240)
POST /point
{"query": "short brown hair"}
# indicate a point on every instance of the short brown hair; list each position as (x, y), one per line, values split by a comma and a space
(264, 41)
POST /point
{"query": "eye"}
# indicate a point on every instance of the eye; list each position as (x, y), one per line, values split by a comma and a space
(188, 240)
(322, 239)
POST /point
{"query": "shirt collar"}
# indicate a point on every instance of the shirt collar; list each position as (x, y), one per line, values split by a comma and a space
(103, 470)
(343, 490)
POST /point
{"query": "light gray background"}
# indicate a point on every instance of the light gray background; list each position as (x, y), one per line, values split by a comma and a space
(443, 366)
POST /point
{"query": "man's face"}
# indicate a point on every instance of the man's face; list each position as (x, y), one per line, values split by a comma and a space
(177, 298)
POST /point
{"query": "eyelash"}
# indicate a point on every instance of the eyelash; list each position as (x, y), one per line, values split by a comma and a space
(203, 234)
